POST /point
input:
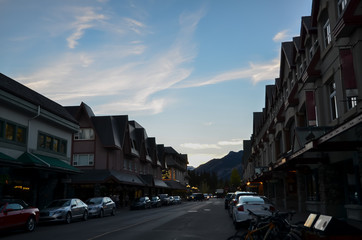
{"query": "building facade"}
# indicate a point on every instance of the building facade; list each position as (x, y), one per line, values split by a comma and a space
(48, 151)
(305, 149)
(35, 145)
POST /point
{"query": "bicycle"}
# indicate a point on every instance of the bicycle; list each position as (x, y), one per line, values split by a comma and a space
(269, 227)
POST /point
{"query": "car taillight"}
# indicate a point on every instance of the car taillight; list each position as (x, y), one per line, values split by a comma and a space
(271, 208)
(235, 202)
(241, 208)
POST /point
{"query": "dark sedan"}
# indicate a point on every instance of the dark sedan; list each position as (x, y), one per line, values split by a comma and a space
(65, 210)
(17, 214)
(156, 201)
(100, 206)
(141, 203)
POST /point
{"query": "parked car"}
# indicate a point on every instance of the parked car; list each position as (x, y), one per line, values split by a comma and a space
(100, 206)
(197, 197)
(141, 203)
(235, 197)
(15, 213)
(177, 200)
(259, 205)
(172, 200)
(156, 201)
(64, 210)
(227, 199)
(165, 199)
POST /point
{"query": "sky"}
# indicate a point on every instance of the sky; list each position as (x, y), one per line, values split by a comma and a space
(191, 72)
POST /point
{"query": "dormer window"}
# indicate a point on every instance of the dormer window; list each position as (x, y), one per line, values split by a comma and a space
(327, 33)
(341, 6)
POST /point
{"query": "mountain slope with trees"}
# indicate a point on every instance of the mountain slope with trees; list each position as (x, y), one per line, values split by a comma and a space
(223, 167)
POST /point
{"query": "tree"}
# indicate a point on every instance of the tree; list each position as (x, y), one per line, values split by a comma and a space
(235, 178)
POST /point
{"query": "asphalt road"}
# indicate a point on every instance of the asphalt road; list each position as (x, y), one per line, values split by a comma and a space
(189, 220)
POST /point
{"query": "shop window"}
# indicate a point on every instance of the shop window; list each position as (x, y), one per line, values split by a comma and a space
(353, 190)
(312, 186)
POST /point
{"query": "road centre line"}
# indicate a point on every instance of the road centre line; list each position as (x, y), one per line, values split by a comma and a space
(123, 228)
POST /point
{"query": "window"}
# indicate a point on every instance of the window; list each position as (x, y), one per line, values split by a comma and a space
(327, 33)
(333, 100)
(51, 143)
(84, 134)
(341, 6)
(12, 132)
(351, 102)
(83, 159)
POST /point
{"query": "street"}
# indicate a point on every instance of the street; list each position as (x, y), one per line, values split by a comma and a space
(189, 220)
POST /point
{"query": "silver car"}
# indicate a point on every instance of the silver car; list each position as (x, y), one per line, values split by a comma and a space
(64, 210)
(100, 206)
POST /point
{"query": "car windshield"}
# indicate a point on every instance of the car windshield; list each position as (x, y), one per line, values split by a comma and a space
(142, 199)
(94, 201)
(154, 198)
(59, 203)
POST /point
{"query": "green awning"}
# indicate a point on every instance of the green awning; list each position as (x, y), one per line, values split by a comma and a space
(5, 157)
(50, 163)
(6, 160)
(57, 163)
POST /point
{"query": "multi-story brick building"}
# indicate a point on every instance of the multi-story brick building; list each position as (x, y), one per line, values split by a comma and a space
(305, 149)
(116, 157)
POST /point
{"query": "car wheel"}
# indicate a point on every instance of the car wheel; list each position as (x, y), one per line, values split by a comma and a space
(85, 216)
(101, 213)
(113, 212)
(30, 224)
(68, 218)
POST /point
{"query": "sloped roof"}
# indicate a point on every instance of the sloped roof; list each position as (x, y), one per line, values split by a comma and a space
(15, 88)
(269, 96)
(75, 111)
(111, 130)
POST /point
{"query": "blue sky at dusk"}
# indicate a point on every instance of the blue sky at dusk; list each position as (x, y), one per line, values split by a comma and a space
(191, 72)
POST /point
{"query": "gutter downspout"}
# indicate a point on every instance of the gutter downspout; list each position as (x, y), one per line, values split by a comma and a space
(27, 147)
(28, 136)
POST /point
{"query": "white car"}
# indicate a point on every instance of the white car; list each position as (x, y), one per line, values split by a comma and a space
(257, 204)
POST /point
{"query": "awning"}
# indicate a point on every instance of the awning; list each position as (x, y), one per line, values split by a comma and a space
(175, 185)
(104, 175)
(45, 162)
(160, 183)
(7, 160)
(147, 179)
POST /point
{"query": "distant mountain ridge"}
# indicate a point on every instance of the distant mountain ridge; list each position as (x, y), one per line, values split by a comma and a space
(223, 166)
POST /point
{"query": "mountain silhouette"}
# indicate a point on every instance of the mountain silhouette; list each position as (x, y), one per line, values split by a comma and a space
(223, 166)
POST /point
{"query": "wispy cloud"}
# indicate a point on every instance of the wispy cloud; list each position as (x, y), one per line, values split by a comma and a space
(84, 21)
(199, 146)
(130, 78)
(281, 36)
(218, 145)
(256, 72)
(231, 142)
